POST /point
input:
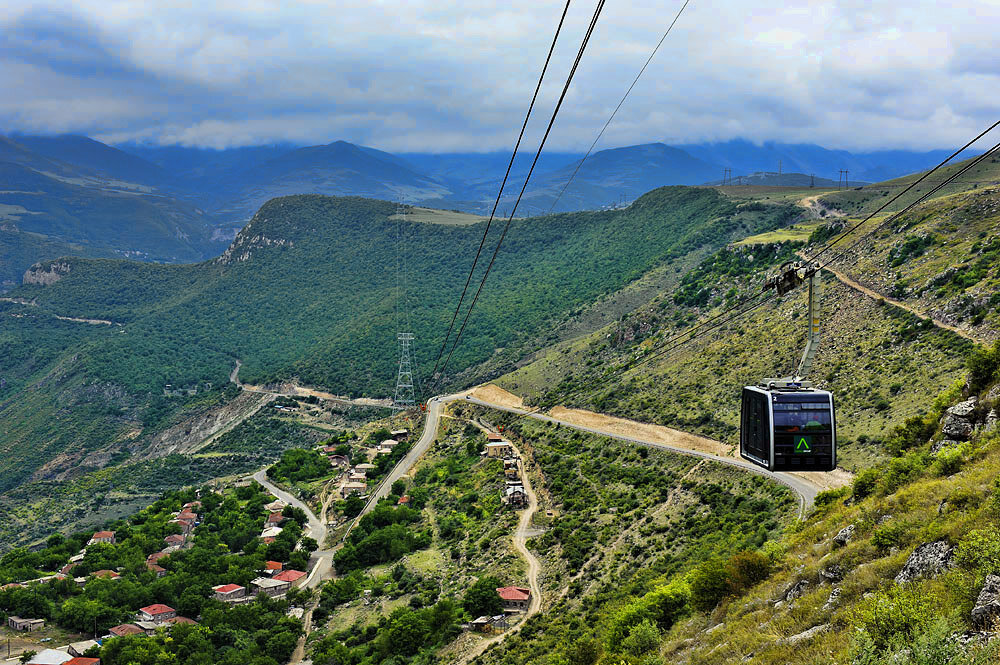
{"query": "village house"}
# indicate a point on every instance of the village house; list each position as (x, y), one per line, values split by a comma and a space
(25, 625)
(358, 477)
(187, 516)
(157, 613)
(102, 537)
(353, 488)
(293, 577)
(365, 467)
(270, 587)
(493, 437)
(481, 625)
(191, 505)
(400, 434)
(65, 570)
(50, 657)
(156, 568)
(270, 532)
(276, 518)
(148, 627)
(106, 574)
(80, 648)
(389, 443)
(339, 460)
(276, 506)
(230, 593)
(181, 620)
(515, 496)
(403, 500)
(272, 567)
(174, 539)
(82, 660)
(514, 598)
(511, 469)
(124, 629)
(499, 449)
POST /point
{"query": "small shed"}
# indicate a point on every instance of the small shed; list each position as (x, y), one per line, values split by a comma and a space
(25, 625)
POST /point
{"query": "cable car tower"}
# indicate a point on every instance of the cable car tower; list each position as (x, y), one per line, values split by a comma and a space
(785, 423)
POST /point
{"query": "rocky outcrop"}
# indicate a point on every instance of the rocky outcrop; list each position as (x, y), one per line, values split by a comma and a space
(832, 573)
(959, 420)
(832, 600)
(796, 590)
(804, 635)
(987, 609)
(944, 444)
(928, 560)
(844, 535)
(45, 274)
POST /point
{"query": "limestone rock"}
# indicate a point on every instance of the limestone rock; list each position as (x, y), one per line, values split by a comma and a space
(844, 535)
(958, 420)
(944, 444)
(833, 573)
(928, 560)
(987, 608)
(804, 635)
(833, 599)
(796, 590)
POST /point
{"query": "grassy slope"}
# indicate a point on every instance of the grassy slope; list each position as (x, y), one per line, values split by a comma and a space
(309, 291)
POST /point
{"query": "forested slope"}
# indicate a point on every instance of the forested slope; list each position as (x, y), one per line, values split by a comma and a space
(308, 290)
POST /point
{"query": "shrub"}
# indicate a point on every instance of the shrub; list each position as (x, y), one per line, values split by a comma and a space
(864, 484)
(710, 583)
(895, 613)
(827, 497)
(746, 569)
(950, 460)
(983, 365)
(980, 551)
(643, 637)
(888, 535)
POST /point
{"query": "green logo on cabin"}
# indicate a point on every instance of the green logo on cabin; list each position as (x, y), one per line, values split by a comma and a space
(802, 445)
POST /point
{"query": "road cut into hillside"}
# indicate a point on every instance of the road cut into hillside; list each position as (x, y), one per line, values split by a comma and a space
(805, 485)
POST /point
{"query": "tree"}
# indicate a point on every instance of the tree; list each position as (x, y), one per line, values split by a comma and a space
(643, 637)
(398, 487)
(482, 599)
(353, 506)
(27, 655)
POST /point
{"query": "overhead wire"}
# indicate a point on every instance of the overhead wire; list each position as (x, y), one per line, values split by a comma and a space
(503, 184)
(656, 48)
(569, 79)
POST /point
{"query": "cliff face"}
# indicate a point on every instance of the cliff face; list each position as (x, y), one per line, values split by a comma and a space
(46, 273)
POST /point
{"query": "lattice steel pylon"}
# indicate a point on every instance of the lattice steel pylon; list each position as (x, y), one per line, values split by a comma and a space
(404, 379)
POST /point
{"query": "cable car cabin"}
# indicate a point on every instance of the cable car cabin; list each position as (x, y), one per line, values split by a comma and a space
(788, 430)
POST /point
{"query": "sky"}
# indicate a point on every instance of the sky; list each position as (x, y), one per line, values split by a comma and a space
(450, 76)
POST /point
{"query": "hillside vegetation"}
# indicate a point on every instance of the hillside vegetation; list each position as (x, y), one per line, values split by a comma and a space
(308, 290)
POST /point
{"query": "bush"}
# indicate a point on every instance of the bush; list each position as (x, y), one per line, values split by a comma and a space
(896, 613)
(864, 484)
(888, 535)
(980, 551)
(983, 365)
(827, 497)
(745, 570)
(710, 583)
(643, 637)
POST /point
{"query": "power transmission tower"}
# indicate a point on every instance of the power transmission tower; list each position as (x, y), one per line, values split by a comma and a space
(405, 394)
(727, 177)
(812, 180)
(404, 379)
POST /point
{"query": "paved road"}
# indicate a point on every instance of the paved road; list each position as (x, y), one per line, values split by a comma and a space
(322, 559)
(805, 490)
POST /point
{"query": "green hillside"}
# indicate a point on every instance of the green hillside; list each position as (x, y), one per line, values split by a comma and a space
(308, 290)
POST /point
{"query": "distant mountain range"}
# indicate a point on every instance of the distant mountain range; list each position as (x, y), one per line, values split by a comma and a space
(177, 204)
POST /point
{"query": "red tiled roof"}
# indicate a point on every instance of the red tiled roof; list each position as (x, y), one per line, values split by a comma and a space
(127, 629)
(493, 437)
(403, 500)
(514, 593)
(81, 660)
(155, 567)
(68, 567)
(177, 620)
(267, 540)
(154, 610)
(193, 504)
(226, 588)
(272, 565)
(276, 518)
(174, 538)
(289, 575)
(107, 574)
(187, 515)
(103, 534)
(156, 556)
(12, 585)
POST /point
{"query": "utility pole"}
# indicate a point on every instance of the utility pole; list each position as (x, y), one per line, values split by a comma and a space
(779, 167)
(847, 183)
(812, 180)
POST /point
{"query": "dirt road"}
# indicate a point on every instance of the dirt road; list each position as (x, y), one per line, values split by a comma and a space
(875, 295)
(293, 390)
(806, 486)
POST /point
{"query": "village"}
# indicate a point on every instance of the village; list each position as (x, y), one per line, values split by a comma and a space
(274, 580)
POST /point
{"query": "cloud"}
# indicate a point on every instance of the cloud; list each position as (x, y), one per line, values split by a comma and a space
(457, 76)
